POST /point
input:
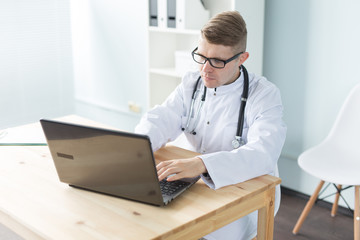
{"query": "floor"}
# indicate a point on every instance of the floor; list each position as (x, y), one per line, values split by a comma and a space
(319, 225)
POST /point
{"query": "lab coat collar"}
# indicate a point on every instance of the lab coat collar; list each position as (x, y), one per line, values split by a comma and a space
(226, 89)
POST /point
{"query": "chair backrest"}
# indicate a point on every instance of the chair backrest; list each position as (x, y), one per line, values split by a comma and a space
(345, 132)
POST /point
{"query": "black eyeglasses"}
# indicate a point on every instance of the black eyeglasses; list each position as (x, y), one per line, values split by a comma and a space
(214, 62)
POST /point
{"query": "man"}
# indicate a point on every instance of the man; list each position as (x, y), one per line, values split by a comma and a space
(207, 112)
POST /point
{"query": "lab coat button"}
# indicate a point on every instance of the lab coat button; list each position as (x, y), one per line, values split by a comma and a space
(208, 122)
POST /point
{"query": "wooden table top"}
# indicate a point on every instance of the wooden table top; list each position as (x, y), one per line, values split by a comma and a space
(37, 205)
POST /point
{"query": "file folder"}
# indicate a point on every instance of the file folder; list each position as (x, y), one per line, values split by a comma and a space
(191, 14)
(162, 13)
(182, 14)
(153, 13)
(171, 13)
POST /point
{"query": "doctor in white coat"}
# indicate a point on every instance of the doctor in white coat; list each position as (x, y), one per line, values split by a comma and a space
(207, 112)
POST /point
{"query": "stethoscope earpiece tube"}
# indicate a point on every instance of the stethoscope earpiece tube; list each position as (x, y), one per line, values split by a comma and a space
(193, 97)
(244, 97)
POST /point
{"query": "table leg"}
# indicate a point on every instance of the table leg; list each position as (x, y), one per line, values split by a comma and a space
(266, 217)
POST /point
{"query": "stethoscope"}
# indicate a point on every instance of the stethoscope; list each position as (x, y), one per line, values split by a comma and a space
(238, 141)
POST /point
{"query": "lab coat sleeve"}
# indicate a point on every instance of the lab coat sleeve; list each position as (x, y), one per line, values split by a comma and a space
(163, 123)
(265, 140)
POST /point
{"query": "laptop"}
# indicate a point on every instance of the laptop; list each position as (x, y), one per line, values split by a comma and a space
(111, 162)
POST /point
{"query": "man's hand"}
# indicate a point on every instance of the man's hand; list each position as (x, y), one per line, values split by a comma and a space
(180, 168)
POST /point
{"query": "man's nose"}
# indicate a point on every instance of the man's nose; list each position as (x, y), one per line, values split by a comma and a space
(207, 67)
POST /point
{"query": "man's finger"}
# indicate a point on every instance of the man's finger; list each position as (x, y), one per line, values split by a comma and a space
(163, 164)
(164, 172)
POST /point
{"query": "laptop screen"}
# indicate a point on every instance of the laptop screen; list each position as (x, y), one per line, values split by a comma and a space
(112, 162)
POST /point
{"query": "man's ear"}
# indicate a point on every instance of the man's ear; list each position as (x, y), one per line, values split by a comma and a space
(243, 58)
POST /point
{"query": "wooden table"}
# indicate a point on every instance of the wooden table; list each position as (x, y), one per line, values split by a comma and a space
(36, 205)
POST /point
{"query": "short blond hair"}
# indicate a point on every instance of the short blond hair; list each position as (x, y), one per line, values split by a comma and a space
(228, 29)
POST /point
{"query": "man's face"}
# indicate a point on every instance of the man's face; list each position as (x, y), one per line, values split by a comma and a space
(214, 77)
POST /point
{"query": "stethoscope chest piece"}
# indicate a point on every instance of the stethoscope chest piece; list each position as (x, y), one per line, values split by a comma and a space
(237, 142)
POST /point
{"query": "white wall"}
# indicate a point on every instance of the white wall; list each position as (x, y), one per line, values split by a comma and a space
(110, 59)
(312, 54)
(35, 61)
(253, 13)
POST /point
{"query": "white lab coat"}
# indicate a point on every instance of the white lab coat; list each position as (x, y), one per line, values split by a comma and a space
(264, 133)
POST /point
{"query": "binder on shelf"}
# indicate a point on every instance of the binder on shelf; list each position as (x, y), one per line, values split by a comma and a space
(162, 13)
(153, 13)
(181, 14)
(171, 13)
(191, 14)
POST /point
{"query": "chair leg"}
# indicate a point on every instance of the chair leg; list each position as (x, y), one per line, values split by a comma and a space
(336, 201)
(357, 214)
(307, 208)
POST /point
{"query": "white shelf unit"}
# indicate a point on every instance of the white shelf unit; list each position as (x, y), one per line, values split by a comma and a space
(164, 42)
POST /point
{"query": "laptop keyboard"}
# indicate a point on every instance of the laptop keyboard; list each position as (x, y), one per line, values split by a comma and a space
(169, 188)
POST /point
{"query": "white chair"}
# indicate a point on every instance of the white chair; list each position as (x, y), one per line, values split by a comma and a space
(337, 159)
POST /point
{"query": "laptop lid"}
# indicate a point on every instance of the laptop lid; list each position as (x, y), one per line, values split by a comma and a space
(107, 161)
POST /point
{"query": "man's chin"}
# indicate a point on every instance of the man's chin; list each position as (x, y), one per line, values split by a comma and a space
(210, 82)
